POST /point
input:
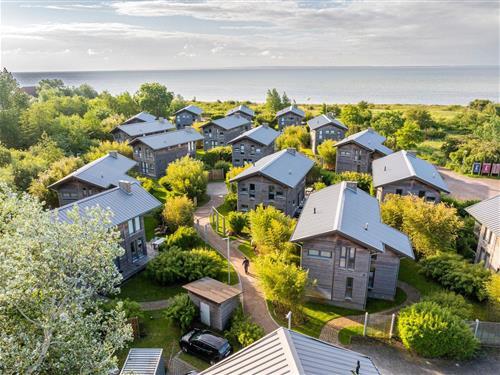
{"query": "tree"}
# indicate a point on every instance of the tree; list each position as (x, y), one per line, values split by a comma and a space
(182, 310)
(237, 222)
(125, 105)
(328, 153)
(387, 123)
(178, 212)
(293, 136)
(285, 101)
(409, 135)
(177, 103)
(104, 147)
(154, 98)
(186, 176)
(51, 320)
(355, 117)
(493, 291)
(273, 101)
(421, 116)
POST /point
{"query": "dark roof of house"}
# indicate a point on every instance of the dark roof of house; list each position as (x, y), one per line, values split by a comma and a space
(344, 208)
(487, 212)
(122, 204)
(287, 352)
(368, 139)
(191, 108)
(140, 117)
(288, 167)
(212, 290)
(142, 361)
(262, 134)
(293, 109)
(103, 172)
(137, 129)
(241, 108)
(229, 122)
(322, 120)
(168, 139)
(402, 165)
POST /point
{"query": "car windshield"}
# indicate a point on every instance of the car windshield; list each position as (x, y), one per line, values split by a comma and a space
(224, 348)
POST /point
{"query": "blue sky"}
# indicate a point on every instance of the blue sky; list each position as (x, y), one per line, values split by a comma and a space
(177, 34)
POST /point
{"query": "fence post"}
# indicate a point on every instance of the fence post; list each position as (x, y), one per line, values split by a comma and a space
(366, 323)
(206, 231)
(216, 221)
(476, 328)
(223, 225)
(391, 331)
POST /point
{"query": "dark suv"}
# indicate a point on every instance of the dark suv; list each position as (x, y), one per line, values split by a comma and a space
(206, 345)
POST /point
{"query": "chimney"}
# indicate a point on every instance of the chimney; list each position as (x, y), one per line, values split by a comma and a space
(412, 153)
(161, 119)
(352, 185)
(125, 186)
(265, 125)
(291, 150)
(113, 154)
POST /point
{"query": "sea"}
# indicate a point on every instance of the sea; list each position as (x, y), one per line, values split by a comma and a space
(445, 85)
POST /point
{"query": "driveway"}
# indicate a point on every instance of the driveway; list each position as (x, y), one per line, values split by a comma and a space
(463, 187)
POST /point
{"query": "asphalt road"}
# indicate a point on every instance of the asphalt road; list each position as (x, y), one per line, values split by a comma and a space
(463, 187)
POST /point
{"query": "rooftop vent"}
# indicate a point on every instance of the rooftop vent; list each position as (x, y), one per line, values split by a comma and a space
(352, 185)
(113, 154)
(161, 119)
(291, 150)
(412, 153)
(125, 186)
(385, 168)
(265, 125)
(314, 210)
(366, 226)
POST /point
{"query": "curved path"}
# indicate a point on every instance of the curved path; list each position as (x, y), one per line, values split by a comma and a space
(254, 302)
(464, 187)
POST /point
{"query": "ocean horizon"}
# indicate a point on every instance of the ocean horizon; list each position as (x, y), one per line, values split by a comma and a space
(445, 85)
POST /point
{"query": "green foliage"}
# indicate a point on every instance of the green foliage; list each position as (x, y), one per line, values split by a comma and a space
(328, 153)
(319, 185)
(224, 165)
(293, 136)
(146, 183)
(232, 173)
(457, 274)
(185, 238)
(409, 135)
(154, 98)
(182, 310)
(231, 201)
(237, 221)
(131, 308)
(178, 211)
(186, 176)
(493, 291)
(479, 104)
(356, 117)
(104, 147)
(364, 180)
(177, 103)
(212, 156)
(242, 330)
(387, 123)
(274, 102)
(454, 302)
(434, 331)
(421, 117)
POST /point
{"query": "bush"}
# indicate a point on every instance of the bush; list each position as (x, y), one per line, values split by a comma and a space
(231, 201)
(434, 331)
(493, 291)
(186, 176)
(237, 222)
(452, 301)
(233, 172)
(182, 310)
(146, 183)
(242, 330)
(185, 238)
(293, 136)
(319, 185)
(221, 153)
(328, 153)
(455, 273)
(178, 211)
(224, 165)
(131, 308)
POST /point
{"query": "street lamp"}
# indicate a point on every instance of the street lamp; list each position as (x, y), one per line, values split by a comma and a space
(228, 261)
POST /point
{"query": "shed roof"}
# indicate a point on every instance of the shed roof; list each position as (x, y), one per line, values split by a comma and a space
(103, 172)
(229, 122)
(285, 351)
(293, 109)
(122, 204)
(162, 140)
(288, 167)
(322, 120)
(140, 117)
(191, 108)
(368, 139)
(344, 208)
(142, 361)
(137, 129)
(487, 212)
(213, 290)
(402, 165)
(241, 108)
(262, 134)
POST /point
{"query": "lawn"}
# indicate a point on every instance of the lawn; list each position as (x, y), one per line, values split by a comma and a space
(345, 334)
(150, 224)
(140, 288)
(247, 250)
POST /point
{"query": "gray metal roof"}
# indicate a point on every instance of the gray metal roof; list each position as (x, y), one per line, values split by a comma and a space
(487, 212)
(140, 117)
(229, 122)
(402, 165)
(142, 361)
(323, 120)
(103, 172)
(123, 205)
(288, 352)
(241, 108)
(191, 108)
(212, 290)
(262, 134)
(345, 209)
(138, 129)
(369, 139)
(168, 139)
(293, 109)
(288, 167)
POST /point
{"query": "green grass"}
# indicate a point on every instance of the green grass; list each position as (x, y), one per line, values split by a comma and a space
(150, 224)
(345, 334)
(375, 305)
(247, 250)
(140, 288)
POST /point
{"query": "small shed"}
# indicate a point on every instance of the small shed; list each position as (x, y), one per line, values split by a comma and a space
(215, 300)
(147, 361)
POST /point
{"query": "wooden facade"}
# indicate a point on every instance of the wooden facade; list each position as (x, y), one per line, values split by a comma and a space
(355, 158)
(410, 186)
(185, 118)
(217, 136)
(330, 131)
(133, 237)
(488, 248)
(220, 314)
(74, 190)
(249, 151)
(289, 119)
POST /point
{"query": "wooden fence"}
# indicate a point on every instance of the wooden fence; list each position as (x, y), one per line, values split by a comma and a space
(215, 174)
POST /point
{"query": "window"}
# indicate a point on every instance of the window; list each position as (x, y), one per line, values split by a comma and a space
(279, 192)
(371, 279)
(138, 151)
(236, 161)
(148, 153)
(345, 153)
(271, 192)
(485, 233)
(137, 223)
(349, 283)
(421, 193)
(319, 253)
(244, 207)
(257, 150)
(252, 191)
(242, 148)
(347, 258)
(430, 199)
(130, 226)
(134, 225)
(243, 188)
(490, 236)
(399, 191)
(252, 150)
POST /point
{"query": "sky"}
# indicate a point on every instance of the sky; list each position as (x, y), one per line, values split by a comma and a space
(193, 34)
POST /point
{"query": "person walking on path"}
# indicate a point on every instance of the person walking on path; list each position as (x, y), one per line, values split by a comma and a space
(246, 264)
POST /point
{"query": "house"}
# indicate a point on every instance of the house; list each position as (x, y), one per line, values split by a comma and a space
(128, 203)
(127, 132)
(243, 111)
(187, 116)
(347, 249)
(357, 152)
(284, 351)
(404, 173)
(487, 216)
(219, 132)
(153, 153)
(95, 177)
(325, 127)
(289, 116)
(144, 361)
(278, 180)
(253, 145)
(215, 300)
(140, 117)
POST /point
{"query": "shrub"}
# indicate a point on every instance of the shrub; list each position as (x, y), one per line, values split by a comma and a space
(221, 153)
(493, 291)
(146, 183)
(319, 185)
(454, 302)
(364, 180)
(185, 238)
(237, 221)
(105, 147)
(231, 201)
(242, 330)
(178, 211)
(434, 331)
(131, 308)
(182, 310)
(455, 273)
(186, 176)
(224, 165)
(293, 136)
(328, 153)
(233, 172)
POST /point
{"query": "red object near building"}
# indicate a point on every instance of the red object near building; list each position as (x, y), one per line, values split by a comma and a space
(495, 169)
(486, 169)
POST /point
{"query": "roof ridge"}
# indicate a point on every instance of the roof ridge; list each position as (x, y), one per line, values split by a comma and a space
(408, 163)
(290, 351)
(340, 207)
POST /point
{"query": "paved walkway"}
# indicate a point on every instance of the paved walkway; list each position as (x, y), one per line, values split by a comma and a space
(155, 305)
(254, 302)
(463, 187)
